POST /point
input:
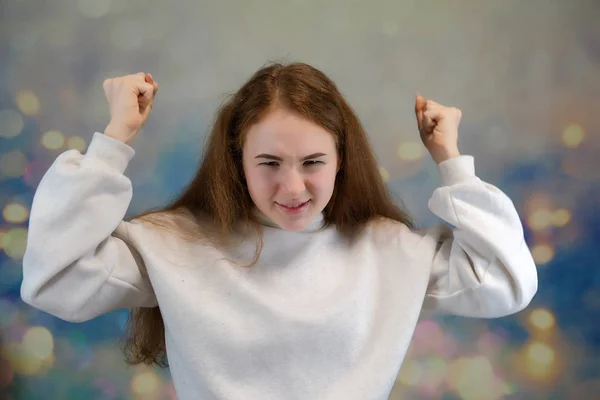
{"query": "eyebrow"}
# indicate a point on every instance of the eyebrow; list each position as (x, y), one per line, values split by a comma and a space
(272, 157)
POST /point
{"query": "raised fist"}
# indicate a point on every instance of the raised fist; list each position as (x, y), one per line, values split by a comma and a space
(130, 99)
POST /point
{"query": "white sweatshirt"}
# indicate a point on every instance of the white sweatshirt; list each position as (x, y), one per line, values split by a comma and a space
(314, 319)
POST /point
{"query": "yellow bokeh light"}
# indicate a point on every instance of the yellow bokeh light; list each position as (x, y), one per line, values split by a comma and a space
(14, 243)
(561, 217)
(144, 383)
(39, 342)
(541, 319)
(76, 143)
(538, 361)
(53, 140)
(4, 239)
(537, 201)
(540, 354)
(27, 102)
(410, 372)
(15, 213)
(47, 364)
(464, 370)
(13, 164)
(434, 372)
(410, 151)
(474, 379)
(21, 360)
(11, 123)
(573, 135)
(542, 253)
(540, 219)
(384, 174)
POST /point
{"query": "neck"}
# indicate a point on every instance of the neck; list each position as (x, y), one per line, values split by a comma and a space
(315, 225)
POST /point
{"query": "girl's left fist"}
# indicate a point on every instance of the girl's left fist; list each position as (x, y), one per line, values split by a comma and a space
(438, 126)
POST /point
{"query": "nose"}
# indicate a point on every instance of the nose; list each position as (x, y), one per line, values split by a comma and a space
(292, 182)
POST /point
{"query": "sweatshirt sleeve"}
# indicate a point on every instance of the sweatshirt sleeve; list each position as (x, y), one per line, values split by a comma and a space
(482, 266)
(80, 260)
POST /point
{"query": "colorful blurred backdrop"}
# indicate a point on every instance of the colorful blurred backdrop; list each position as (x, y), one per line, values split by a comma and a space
(525, 73)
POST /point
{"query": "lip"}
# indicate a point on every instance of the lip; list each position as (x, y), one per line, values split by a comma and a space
(293, 210)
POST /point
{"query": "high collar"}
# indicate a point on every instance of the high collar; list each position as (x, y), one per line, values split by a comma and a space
(315, 225)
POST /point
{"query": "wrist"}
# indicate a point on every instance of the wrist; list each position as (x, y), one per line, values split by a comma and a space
(118, 133)
(445, 155)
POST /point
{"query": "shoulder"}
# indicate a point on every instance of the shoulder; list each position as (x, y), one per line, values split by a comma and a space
(385, 233)
(165, 228)
(169, 221)
(175, 238)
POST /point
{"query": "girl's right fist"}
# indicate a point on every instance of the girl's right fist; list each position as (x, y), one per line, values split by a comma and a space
(130, 99)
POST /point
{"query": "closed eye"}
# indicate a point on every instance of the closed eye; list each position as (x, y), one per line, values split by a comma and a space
(309, 163)
(312, 162)
(270, 164)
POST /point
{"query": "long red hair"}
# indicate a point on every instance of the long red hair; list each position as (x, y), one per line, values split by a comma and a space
(217, 196)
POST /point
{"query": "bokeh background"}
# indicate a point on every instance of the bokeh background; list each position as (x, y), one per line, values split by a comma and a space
(525, 73)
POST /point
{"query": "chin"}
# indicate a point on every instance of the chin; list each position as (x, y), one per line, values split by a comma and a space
(292, 222)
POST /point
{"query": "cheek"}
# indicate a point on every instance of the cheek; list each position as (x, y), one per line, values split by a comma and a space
(323, 183)
(260, 183)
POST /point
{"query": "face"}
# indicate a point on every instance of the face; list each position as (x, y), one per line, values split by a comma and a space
(290, 165)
